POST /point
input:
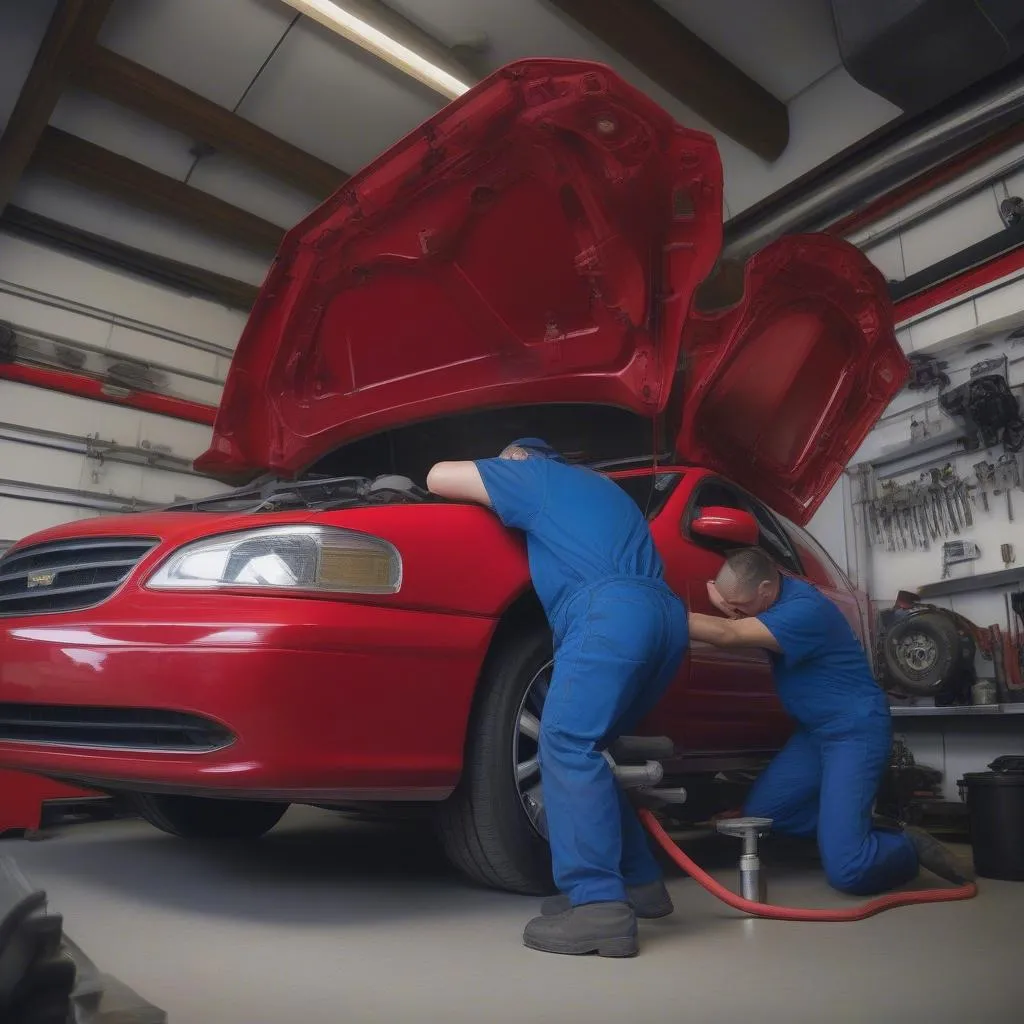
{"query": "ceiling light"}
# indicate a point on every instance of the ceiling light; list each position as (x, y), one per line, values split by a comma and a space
(357, 28)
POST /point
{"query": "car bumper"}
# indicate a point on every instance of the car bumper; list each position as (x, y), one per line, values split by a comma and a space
(324, 701)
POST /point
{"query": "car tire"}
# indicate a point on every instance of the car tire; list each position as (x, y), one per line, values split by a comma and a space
(483, 826)
(922, 654)
(194, 817)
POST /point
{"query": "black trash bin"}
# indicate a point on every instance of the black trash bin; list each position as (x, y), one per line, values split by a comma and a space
(995, 800)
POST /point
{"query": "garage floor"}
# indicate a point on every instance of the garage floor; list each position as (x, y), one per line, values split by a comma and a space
(332, 920)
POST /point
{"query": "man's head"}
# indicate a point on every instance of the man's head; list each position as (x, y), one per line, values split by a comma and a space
(530, 448)
(748, 582)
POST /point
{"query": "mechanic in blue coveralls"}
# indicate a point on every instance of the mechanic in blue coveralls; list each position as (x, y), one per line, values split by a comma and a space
(824, 781)
(620, 635)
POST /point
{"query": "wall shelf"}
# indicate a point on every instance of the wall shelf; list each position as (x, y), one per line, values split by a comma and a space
(970, 584)
(927, 711)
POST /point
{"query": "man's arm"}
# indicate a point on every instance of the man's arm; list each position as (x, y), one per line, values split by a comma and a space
(746, 632)
(458, 481)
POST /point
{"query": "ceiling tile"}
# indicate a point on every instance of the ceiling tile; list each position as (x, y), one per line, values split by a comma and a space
(327, 97)
(102, 215)
(213, 47)
(785, 45)
(123, 131)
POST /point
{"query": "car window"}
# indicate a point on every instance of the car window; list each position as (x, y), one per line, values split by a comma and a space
(773, 538)
(811, 550)
(649, 499)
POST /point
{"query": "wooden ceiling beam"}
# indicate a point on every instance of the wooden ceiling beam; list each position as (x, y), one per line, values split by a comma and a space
(183, 277)
(71, 32)
(682, 63)
(131, 85)
(85, 163)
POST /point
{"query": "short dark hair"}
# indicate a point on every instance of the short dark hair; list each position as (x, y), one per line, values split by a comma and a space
(751, 567)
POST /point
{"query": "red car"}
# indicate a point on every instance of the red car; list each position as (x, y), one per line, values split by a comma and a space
(526, 262)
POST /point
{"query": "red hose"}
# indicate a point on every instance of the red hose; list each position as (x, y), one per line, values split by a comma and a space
(858, 913)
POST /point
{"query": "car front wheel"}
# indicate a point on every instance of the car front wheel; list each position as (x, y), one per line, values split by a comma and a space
(491, 825)
(194, 817)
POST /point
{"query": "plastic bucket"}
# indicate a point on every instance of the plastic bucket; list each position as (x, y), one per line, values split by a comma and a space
(995, 801)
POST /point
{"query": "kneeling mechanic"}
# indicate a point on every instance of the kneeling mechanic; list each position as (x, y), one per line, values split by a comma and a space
(824, 782)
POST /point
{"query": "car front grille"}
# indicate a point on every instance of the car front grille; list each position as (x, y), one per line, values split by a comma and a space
(111, 728)
(68, 574)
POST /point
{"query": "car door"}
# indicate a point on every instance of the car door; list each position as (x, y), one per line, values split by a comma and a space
(727, 702)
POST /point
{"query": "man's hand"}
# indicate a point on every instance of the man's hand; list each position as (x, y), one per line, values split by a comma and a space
(742, 631)
(720, 602)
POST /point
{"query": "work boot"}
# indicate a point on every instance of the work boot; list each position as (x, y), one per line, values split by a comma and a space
(937, 858)
(608, 929)
(648, 901)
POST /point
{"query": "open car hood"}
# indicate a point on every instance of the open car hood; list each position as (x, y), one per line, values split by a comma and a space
(779, 390)
(539, 241)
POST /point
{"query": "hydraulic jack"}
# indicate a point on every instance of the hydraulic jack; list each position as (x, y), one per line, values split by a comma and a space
(637, 764)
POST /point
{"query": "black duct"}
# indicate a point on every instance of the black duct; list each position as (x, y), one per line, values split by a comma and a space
(916, 53)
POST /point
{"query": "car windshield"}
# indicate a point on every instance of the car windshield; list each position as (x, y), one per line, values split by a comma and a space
(325, 493)
(649, 490)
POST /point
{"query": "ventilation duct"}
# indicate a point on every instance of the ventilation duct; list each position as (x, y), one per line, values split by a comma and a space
(917, 53)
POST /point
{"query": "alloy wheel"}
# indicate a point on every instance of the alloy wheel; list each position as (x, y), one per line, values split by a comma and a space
(525, 740)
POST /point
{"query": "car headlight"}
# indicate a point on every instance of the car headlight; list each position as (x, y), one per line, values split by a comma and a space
(311, 559)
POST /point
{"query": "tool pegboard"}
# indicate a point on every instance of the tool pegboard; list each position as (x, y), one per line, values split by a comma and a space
(938, 485)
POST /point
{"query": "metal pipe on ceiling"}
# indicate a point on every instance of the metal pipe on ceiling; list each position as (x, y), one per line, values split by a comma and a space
(869, 238)
(31, 357)
(48, 494)
(145, 455)
(43, 298)
(840, 192)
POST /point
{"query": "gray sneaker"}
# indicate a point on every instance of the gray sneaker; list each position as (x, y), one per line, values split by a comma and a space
(607, 929)
(649, 901)
(937, 858)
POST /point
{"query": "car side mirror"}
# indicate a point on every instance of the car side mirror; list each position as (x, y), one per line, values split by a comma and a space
(727, 524)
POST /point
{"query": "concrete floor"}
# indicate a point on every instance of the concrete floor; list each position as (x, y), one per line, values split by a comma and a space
(335, 921)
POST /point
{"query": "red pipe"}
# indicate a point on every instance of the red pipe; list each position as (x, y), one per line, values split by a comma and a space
(953, 287)
(928, 180)
(83, 386)
(767, 910)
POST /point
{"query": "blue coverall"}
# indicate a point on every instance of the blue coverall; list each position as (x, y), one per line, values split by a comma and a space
(826, 778)
(619, 636)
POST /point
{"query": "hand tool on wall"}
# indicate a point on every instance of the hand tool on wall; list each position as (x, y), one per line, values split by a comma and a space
(1008, 556)
(985, 474)
(956, 551)
(1007, 477)
(956, 489)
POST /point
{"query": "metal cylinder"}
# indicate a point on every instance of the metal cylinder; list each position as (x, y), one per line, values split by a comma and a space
(847, 189)
(752, 885)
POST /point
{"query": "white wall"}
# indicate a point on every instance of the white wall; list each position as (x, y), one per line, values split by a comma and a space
(933, 227)
(45, 291)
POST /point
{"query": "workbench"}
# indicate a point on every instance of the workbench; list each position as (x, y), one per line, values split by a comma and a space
(956, 740)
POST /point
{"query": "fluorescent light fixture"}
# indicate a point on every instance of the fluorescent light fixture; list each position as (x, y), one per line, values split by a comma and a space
(357, 29)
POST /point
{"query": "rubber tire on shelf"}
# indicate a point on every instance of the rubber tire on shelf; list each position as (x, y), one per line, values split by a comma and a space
(945, 635)
(195, 817)
(483, 828)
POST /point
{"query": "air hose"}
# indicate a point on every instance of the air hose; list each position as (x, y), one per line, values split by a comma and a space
(768, 910)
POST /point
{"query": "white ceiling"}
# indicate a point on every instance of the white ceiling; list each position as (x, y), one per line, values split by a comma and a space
(308, 86)
(784, 45)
